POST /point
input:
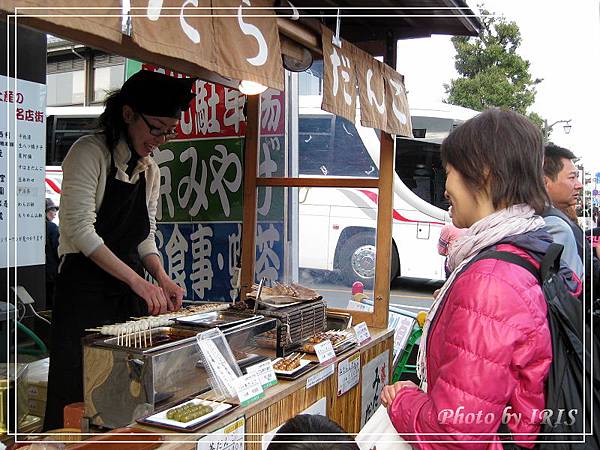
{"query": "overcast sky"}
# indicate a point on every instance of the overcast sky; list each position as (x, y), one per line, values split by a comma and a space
(561, 40)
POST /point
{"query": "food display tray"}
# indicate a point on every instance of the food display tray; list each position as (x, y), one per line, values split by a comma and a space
(159, 419)
(297, 373)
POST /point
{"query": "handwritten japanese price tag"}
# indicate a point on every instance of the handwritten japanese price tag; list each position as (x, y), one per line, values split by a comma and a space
(320, 376)
(264, 373)
(324, 351)
(230, 437)
(362, 333)
(248, 389)
(348, 374)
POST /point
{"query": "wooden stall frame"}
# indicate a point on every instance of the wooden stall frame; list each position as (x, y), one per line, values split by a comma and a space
(251, 149)
(383, 246)
(304, 38)
(379, 317)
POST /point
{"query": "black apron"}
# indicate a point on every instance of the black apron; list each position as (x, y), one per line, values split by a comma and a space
(88, 297)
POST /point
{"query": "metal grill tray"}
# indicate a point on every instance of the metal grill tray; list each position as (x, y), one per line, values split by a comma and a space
(217, 319)
(299, 322)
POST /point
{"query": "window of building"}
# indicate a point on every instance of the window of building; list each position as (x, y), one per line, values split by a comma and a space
(109, 74)
(65, 80)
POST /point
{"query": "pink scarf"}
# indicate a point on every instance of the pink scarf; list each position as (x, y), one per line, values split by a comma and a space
(511, 221)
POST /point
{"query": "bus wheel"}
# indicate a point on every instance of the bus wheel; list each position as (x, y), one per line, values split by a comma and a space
(357, 260)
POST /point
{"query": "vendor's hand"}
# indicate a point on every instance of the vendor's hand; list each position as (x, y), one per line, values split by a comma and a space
(153, 296)
(173, 293)
(436, 293)
(389, 392)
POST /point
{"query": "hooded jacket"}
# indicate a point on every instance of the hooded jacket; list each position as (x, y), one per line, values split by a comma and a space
(488, 356)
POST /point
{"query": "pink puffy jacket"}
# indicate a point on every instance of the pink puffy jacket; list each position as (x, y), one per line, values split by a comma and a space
(489, 353)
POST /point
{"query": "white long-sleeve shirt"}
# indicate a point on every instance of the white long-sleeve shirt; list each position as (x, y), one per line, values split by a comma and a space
(85, 169)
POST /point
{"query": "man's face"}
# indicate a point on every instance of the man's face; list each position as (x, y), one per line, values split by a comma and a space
(565, 189)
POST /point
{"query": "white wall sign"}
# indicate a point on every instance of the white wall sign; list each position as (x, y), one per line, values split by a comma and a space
(375, 375)
(230, 437)
(22, 168)
(348, 373)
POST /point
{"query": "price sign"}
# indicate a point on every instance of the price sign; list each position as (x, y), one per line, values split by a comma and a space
(230, 437)
(348, 374)
(264, 373)
(362, 333)
(324, 351)
(321, 376)
(248, 389)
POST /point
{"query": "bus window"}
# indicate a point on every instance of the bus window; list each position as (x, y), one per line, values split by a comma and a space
(349, 152)
(62, 132)
(331, 146)
(419, 166)
(314, 144)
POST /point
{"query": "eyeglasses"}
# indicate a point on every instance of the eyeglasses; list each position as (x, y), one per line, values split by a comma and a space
(158, 132)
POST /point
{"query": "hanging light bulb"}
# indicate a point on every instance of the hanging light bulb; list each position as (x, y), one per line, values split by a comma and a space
(251, 87)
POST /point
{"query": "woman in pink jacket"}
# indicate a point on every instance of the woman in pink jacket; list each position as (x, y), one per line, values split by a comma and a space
(486, 350)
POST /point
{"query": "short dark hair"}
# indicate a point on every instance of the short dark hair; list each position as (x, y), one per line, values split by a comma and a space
(308, 430)
(508, 146)
(553, 156)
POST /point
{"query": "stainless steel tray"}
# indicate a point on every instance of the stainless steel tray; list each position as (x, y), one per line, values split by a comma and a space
(217, 319)
(162, 337)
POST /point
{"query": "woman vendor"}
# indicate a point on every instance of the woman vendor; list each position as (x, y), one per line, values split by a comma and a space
(110, 192)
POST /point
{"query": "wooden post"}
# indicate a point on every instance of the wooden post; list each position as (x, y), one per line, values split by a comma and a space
(384, 232)
(249, 217)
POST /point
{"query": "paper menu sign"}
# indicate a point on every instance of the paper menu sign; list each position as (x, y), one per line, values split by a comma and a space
(230, 437)
(220, 370)
(362, 333)
(348, 373)
(264, 373)
(248, 389)
(324, 351)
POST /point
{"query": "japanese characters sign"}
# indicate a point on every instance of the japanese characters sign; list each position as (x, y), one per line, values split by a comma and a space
(371, 88)
(230, 437)
(375, 375)
(348, 373)
(339, 83)
(176, 28)
(22, 166)
(199, 211)
(383, 102)
(247, 46)
(248, 388)
(228, 37)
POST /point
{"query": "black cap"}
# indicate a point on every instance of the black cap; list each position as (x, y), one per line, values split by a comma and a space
(156, 94)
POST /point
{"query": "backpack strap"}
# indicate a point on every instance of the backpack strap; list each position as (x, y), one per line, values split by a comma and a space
(551, 261)
(549, 265)
(508, 257)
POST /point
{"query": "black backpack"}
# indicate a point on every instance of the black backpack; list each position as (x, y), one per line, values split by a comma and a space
(569, 326)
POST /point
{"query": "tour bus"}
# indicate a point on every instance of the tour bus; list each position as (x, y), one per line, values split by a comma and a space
(337, 226)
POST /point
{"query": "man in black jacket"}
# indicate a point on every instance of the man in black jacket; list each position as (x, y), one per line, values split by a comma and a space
(51, 250)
